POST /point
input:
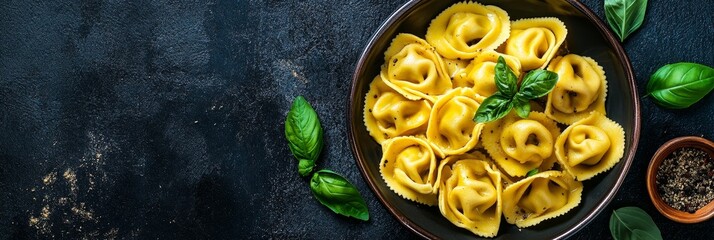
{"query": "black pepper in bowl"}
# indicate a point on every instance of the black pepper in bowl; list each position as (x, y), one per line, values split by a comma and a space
(685, 179)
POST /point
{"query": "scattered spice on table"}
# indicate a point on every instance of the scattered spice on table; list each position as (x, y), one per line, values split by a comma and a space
(685, 179)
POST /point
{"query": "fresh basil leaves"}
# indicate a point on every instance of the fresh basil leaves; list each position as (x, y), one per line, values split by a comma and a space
(522, 106)
(494, 107)
(338, 194)
(304, 134)
(535, 84)
(625, 16)
(680, 85)
(538, 83)
(633, 223)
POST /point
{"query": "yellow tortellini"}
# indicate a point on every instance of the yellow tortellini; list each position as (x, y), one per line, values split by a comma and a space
(465, 29)
(408, 166)
(388, 114)
(539, 197)
(520, 145)
(590, 146)
(480, 73)
(581, 88)
(455, 68)
(451, 128)
(421, 109)
(454, 158)
(414, 69)
(534, 41)
(470, 195)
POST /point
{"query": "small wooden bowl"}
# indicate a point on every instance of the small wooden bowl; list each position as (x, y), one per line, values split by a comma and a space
(700, 215)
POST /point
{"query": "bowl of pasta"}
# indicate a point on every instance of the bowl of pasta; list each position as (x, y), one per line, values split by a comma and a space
(542, 171)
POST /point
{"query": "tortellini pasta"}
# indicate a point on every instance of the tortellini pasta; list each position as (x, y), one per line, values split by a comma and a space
(388, 114)
(470, 195)
(465, 29)
(414, 69)
(480, 73)
(454, 158)
(451, 128)
(539, 197)
(590, 146)
(535, 41)
(581, 88)
(421, 109)
(408, 166)
(520, 145)
(455, 68)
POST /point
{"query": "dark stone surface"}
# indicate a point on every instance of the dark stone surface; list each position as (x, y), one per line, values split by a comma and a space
(164, 119)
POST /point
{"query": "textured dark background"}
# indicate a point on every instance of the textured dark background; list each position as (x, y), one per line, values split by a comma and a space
(164, 119)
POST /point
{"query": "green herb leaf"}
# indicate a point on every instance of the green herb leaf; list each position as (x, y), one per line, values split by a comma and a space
(492, 108)
(532, 172)
(538, 83)
(625, 16)
(304, 134)
(338, 194)
(680, 85)
(633, 223)
(305, 167)
(506, 80)
(522, 105)
(499, 104)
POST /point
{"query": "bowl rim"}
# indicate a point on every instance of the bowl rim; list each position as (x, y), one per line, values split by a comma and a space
(604, 31)
(702, 214)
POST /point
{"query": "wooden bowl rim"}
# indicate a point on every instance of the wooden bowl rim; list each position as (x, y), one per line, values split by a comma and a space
(702, 214)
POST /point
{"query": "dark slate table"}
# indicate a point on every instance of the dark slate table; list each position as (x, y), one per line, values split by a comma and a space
(164, 119)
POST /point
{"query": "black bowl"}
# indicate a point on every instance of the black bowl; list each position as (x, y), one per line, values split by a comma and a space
(587, 35)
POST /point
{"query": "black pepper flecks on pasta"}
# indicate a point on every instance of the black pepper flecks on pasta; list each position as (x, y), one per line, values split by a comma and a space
(685, 179)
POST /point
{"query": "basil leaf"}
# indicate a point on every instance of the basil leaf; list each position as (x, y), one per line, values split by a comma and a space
(338, 194)
(633, 223)
(305, 167)
(493, 108)
(625, 16)
(538, 83)
(506, 80)
(522, 105)
(532, 172)
(304, 134)
(680, 85)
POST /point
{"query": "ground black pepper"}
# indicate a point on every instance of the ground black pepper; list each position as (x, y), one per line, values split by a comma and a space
(685, 179)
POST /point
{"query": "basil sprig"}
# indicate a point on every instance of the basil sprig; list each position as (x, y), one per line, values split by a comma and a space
(680, 85)
(625, 16)
(633, 223)
(535, 84)
(304, 134)
(338, 194)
